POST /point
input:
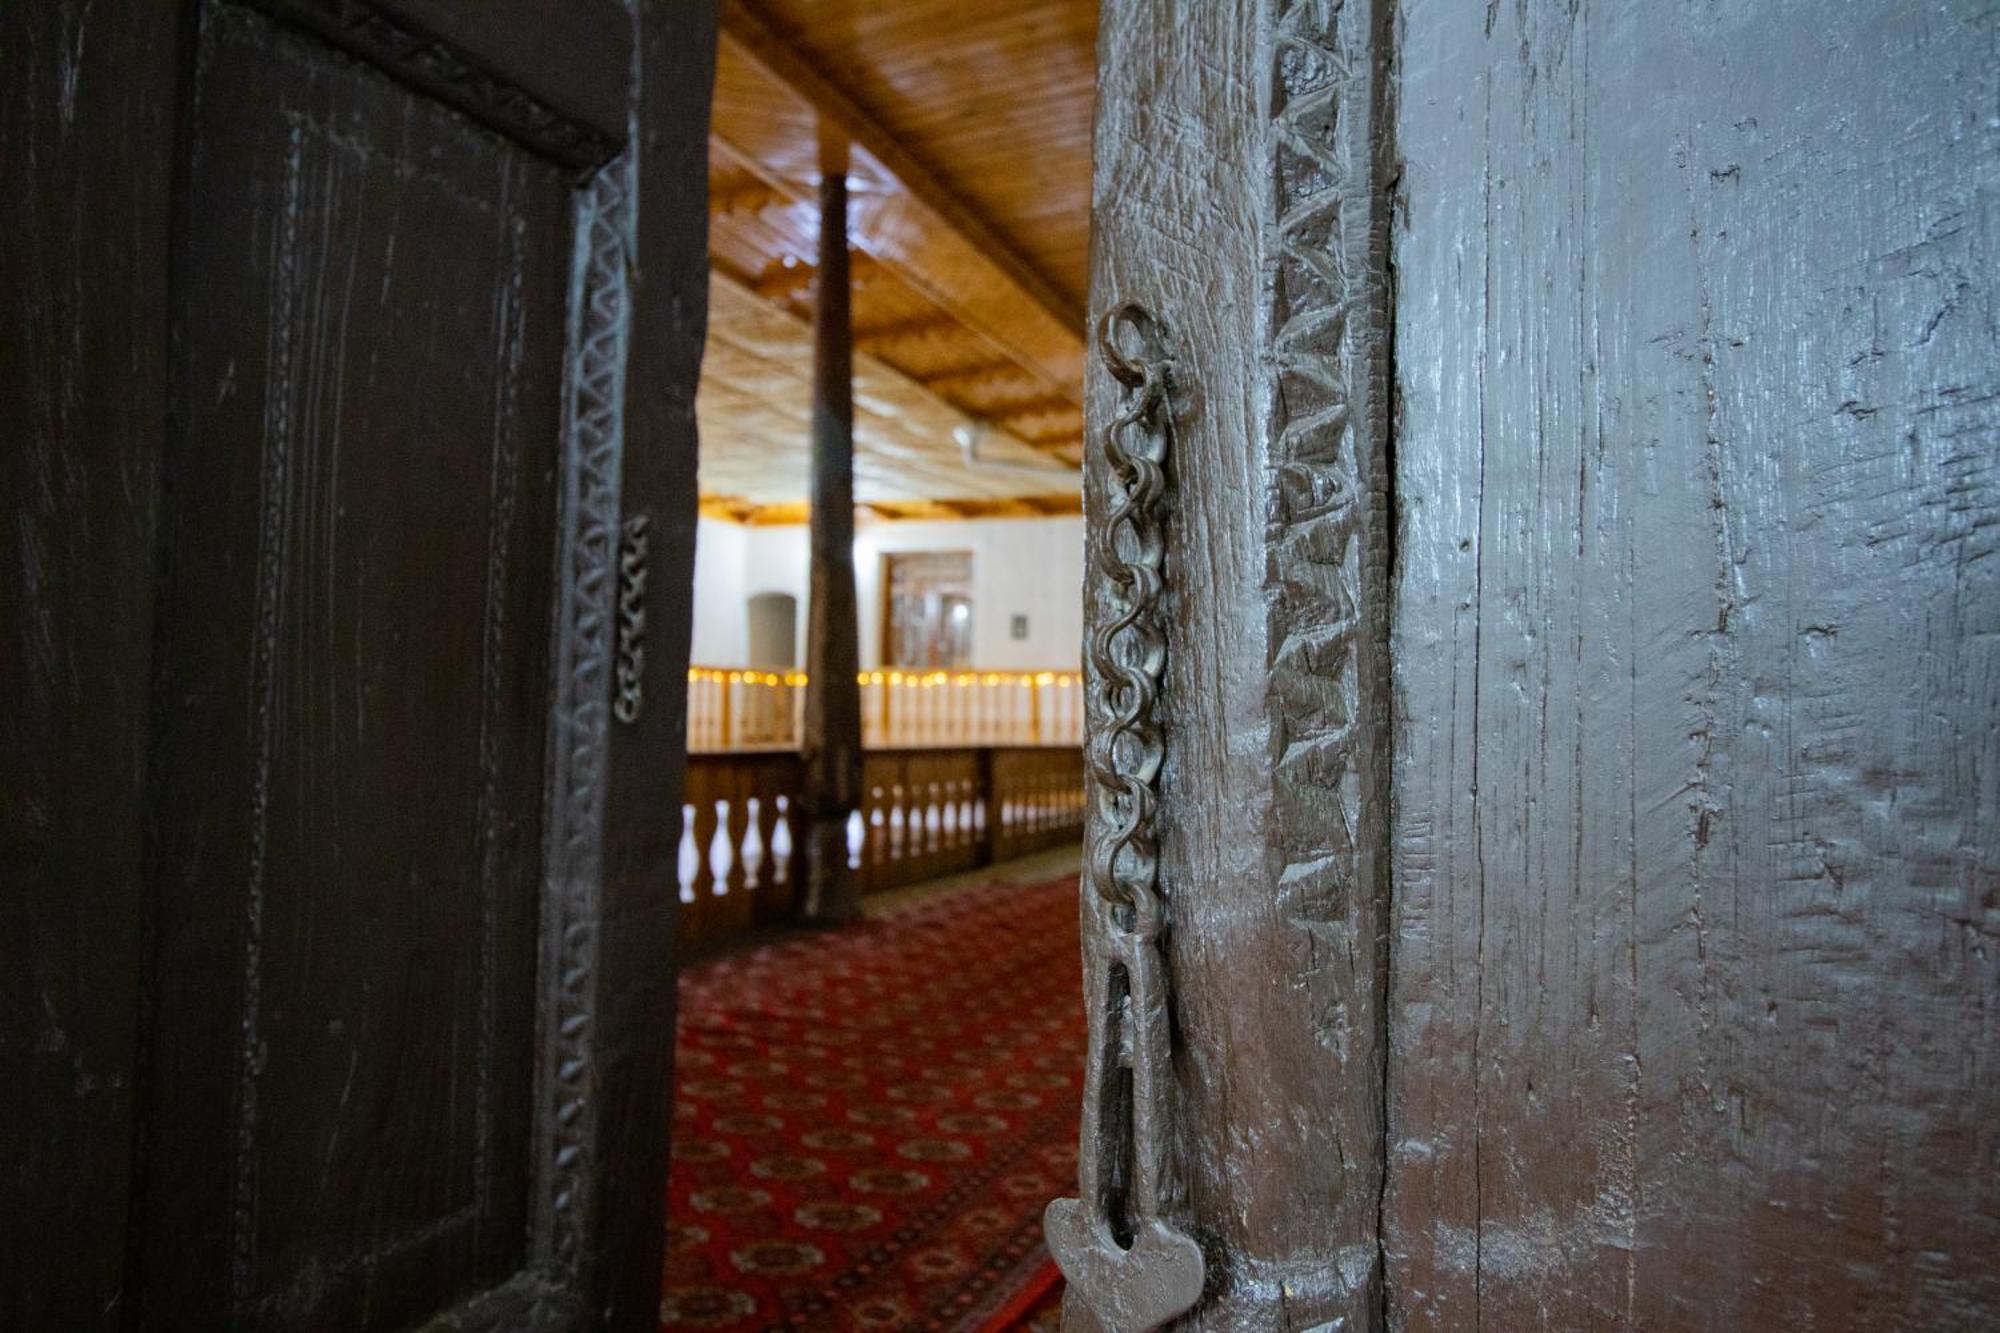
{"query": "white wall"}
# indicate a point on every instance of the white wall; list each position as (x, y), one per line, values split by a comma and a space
(720, 638)
(1020, 566)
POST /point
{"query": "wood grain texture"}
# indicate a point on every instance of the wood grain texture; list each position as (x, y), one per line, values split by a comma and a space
(535, 74)
(1698, 704)
(991, 104)
(351, 675)
(646, 762)
(1238, 198)
(756, 421)
(86, 132)
(938, 288)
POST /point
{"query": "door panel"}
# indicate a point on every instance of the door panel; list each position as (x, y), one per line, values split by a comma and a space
(1695, 843)
(86, 154)
(357, 610)
(348, 906)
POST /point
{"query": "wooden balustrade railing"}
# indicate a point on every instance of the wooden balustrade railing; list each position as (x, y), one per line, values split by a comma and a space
(924, 812)
(749, 710)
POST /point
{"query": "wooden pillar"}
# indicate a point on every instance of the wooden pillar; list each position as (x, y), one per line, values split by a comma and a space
(832, 743)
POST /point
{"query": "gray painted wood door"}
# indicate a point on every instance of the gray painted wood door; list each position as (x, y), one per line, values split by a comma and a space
(1697, 827)
(1578, 828)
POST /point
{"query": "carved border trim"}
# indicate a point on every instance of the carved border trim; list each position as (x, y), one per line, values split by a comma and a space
(632, 620)
(375, 34)
(274, 518)
(503, 503)
(1327, 498)
(1327, 423)
(587, 579)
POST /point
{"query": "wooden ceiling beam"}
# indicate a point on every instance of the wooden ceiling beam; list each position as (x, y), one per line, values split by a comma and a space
(921, 327)
(1046, 405)
(732, 509)
(727, 508)
(754, 39)
(784, 282)
(768, 99)
(982, 373)
(751, 195)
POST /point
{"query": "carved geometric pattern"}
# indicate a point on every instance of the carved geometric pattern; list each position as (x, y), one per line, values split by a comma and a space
(1326, 423)
(381, 38)
(593, 456)
(274, 511)
(502, 507)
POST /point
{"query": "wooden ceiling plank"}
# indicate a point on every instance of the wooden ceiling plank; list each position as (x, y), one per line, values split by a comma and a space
(752, 407)
(755, 40)
(932, 240)
(975, 374)
(921, 327)
(1046, 405)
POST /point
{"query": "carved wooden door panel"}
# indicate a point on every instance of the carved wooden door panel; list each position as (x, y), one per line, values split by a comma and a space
(428, 333)
(1541, 869)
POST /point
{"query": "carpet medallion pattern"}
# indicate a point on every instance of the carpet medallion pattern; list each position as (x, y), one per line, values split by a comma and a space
(868, 1122)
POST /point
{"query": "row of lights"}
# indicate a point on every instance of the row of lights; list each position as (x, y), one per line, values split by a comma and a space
(924, 680)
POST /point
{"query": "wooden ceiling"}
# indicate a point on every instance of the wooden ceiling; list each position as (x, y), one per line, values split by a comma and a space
(970, 182)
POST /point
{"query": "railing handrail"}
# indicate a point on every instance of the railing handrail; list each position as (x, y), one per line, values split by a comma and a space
(923, 811)
(741, 708)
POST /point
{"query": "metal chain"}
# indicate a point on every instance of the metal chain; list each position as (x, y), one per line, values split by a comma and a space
(631, 662)
(1128, 649)
(1116, 1243)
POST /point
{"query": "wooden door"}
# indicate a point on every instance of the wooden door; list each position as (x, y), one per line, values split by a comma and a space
(379, 427)
(1576, 829)
(1695, 831)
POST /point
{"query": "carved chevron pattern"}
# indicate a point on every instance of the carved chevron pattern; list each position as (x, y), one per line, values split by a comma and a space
(1327, 422)
(274, 519)
(594, 451)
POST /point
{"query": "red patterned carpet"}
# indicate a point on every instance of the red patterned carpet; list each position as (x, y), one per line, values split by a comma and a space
(869, 1121)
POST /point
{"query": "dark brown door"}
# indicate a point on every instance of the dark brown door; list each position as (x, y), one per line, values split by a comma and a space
(418, 320)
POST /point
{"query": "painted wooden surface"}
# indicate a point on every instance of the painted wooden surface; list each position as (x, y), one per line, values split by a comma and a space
(647, 760)
(361, 506)
(922, 813)
(968, 212)
(86, 129)
(1235, 202)
(1698, 705)
(317, 330)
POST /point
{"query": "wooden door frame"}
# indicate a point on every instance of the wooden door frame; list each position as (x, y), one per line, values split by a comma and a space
(1238, 409)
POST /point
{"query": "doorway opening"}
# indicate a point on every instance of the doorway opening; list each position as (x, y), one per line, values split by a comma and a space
(771, 624)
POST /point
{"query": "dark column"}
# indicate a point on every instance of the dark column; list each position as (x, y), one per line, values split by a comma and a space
(832, 741)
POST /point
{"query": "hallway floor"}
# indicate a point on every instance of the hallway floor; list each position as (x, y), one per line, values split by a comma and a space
(869, 1122)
